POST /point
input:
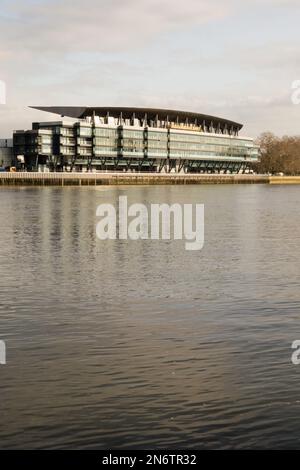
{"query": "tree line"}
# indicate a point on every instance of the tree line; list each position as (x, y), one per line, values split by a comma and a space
(278, 154)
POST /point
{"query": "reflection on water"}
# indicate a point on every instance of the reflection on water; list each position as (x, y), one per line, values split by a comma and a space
(142, 344)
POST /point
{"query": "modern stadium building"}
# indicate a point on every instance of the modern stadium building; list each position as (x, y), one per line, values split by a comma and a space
(134, 139)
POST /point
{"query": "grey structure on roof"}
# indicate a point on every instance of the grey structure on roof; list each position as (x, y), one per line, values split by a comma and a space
(146, 114)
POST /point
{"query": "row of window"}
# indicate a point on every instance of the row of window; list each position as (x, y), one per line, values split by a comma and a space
(208, 140)
(108, 141)
(102, 132)
(45, 149)
(65, 131)
(133, 134)
(157, 135)
(67, 141)
(163, 137)
(84, 131)
(106, 151)
(133, 143)
(84, 151)
(186, 153)
(139, 134)
(67, 150)
(157, 144)
(87, 142)
(203, 147)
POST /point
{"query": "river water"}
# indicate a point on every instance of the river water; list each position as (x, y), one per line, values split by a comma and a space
(142, 344)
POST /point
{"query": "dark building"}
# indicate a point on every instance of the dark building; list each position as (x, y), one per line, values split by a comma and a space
(6, 153)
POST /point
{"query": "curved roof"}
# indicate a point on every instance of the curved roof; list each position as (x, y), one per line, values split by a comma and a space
(127, 113)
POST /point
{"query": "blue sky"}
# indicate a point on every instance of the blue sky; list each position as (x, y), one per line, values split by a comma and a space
(233, 59)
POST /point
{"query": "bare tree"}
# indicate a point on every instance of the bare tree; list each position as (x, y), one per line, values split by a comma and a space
(279, 154)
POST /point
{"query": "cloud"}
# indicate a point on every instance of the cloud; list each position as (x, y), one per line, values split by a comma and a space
(55, 27)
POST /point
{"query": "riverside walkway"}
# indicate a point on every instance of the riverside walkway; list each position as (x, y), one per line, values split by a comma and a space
(114, 178)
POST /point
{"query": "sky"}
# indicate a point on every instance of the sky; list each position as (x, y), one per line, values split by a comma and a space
(229, 58)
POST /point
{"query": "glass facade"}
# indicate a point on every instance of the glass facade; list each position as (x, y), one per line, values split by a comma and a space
(106, 142)
(203, 146)
(89, 144)
(132, 142)
(157, 143)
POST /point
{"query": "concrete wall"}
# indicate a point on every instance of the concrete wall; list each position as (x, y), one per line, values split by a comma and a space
(80, 179)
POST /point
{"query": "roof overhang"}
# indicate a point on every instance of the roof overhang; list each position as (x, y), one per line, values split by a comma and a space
(80, 112)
